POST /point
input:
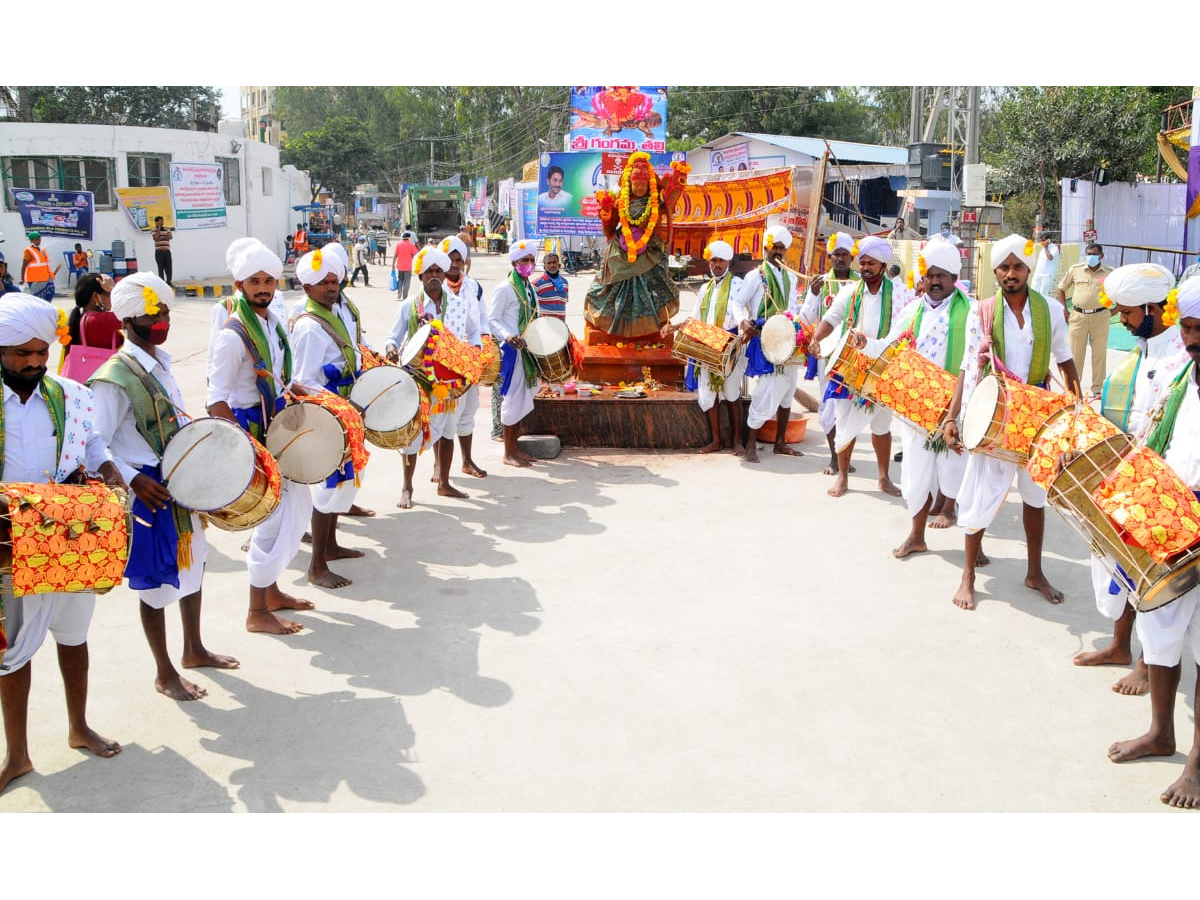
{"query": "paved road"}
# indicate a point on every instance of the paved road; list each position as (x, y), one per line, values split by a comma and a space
(614, 631)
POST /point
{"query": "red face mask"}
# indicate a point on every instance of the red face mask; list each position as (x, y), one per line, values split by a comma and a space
(156, 334)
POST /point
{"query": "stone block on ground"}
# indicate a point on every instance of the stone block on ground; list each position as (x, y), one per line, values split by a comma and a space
(540, 446)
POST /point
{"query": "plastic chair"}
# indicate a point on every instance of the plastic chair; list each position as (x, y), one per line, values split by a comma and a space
(69, 255)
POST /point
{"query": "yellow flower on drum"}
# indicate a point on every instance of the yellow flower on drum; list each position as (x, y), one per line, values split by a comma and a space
(150, 298)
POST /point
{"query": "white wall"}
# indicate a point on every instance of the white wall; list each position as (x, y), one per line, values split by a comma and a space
(197, 255)
(1147, 215)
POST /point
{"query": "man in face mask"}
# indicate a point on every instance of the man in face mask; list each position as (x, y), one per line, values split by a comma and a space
(1089, 318)
(168, 549)
(513, 306)
(46, 436)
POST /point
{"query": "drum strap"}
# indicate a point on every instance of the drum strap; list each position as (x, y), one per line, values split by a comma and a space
(774, 302)
(1160, 433)
(340, 335)
(56, 401)
(155, 419)
(527, 312)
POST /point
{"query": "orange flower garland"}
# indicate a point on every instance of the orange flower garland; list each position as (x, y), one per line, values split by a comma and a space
(61, 329)
(1171, 310)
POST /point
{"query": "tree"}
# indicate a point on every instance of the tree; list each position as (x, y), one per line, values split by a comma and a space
(185, 107)
(1045, 134)
(338, 156)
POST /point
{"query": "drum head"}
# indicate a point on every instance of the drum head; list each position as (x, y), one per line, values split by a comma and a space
(778, 339)
(831, 347)
(546, 335)
(387, 397)
(415, 345)
(308, 442)
(980, 410)
(208, 464)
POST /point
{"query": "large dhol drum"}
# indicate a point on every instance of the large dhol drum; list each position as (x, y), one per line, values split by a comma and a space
(489, 358)
(389, 401)
(1002, 417)
(1147, 496)
(1069, 431)
(548, 341)
(914, 388)
(856, 370)
(310, 438)
(63, 538)
(435, 355)
(709, 345)
(779, 338)
(214, 467)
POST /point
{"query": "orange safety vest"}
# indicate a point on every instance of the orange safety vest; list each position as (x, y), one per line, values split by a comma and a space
(300, 241)
(38, 270)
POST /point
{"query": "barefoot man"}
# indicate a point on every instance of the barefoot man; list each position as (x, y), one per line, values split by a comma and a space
(821, 294)
(34, 448)
(513, 307)
(139, 408)
(1164, 632)
(866, 306)
(461, 318)
(1140, 294)
(459, 282)
(936, 327)
(771, 289)
(1019, 330)
(325, 340)
(713, 308)
(249, 372)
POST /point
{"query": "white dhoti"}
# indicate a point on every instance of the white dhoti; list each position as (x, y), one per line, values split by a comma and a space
(334, 499)
(924, 473)
(771, 394)
(441, 425)
(518, 402)
(190, 578)
(985, 484)
(1110, 605)
(852, 417)
(274, 543)
(30, 618)
(468, 405)
(827, 409)
(1165, 631)
(731, 389)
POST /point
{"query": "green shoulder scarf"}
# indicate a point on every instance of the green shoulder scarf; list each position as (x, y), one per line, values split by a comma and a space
(1160, 434)
(1039, 311)
(774, 302)
(527, 313)
(956, 337)
(885, 308)
(722, 301)
(338, 331)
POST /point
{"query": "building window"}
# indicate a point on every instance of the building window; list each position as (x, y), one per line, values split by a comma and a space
(68, 173)
(147, 170)
(232, 180)
(266, 181)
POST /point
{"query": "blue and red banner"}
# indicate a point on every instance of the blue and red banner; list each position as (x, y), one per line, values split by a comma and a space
(57, 213)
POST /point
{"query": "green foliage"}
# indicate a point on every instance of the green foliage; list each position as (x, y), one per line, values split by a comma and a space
(338, 155)
(152, 107)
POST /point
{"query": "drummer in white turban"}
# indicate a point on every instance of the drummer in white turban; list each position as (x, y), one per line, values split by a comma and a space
(868, 309)
(771, 289)
(326, 340)
(936, 327)
(1016, 332)
(168, 549)
(46, 435)
(822, 291)
(512, 307)
(713, 307)
(254, 341)
(457, 315)
(219, 314)
(1140, 293)
(1167, 631)
(459, 281)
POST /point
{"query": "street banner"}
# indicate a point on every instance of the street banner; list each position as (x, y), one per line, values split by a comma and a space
(524, 219)
(144, 203)
(56, 213)
(198, 195)
(619, 118)
(478, 207)
(567, 183)
(504, 197)
(731, 159)
(613, 163)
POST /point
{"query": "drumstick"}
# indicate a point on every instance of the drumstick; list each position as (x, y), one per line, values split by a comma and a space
(167, 477)
(284, 448)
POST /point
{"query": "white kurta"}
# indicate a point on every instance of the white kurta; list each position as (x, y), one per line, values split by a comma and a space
(115, 424)
(468, 403)
(731, 389)
(814, 308)
(504, 318)
(31, 454)
(773, 392)
(986, 481)
(219, 315)
(850, 416)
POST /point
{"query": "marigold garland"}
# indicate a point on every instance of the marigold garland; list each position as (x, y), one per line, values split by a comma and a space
(648, 220)
(61, 329)
(1171, 310)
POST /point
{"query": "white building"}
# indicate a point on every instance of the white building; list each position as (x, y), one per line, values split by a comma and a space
(259, 194)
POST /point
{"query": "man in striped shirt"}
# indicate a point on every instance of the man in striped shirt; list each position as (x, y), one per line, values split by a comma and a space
(551, 288)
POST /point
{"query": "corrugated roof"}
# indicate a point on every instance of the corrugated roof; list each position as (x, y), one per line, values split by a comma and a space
(845, 151)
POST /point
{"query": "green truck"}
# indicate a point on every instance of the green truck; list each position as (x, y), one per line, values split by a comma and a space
(433, 211)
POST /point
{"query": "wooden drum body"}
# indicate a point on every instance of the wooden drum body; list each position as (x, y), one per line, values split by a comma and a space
(548, 342)
(1003, 416)
(708, 345)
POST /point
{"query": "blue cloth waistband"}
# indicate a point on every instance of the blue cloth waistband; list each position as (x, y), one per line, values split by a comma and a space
(153, 549)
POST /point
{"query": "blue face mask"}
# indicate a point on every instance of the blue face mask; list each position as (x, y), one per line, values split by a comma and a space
(1093, 260)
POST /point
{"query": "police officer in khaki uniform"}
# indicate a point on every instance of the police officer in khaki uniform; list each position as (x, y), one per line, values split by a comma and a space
(1088, 321)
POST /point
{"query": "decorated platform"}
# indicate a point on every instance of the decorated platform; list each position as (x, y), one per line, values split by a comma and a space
(610, 360)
